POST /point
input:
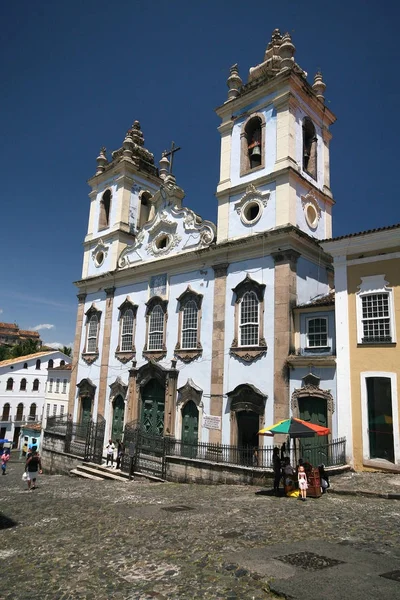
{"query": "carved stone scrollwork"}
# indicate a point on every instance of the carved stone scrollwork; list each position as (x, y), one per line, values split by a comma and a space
(249, 354)
(249, 285)
(190, 391)
(86, 387)
(246, 397)
(188, 295)
(149, 371)
(312, 390)
(188, 356)
(118, 388)
(90, 358)
(155, 355)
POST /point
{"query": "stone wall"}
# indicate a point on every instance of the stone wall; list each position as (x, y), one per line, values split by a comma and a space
(185, 470)
(58, 463)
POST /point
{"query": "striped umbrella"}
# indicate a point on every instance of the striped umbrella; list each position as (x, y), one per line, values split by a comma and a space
(295, 428)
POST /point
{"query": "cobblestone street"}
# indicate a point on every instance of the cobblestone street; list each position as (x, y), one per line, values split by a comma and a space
(78, 539)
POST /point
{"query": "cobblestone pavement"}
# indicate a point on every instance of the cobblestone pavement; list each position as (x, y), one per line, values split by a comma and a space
(74, 539)
(377, 483)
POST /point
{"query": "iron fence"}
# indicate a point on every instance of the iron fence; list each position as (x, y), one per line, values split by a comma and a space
(332, 454)
(85, 440)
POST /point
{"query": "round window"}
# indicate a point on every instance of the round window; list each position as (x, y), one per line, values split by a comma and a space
(251, 212)
(311, 216)
(162, 242)
(99, 258)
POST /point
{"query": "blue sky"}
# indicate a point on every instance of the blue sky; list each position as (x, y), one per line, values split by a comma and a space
(75, 75)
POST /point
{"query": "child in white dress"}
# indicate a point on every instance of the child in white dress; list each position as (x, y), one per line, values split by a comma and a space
(303, 485)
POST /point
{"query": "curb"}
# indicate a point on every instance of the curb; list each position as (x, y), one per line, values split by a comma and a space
(386, 496)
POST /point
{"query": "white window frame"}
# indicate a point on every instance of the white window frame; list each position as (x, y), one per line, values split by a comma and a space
(92, 336)
(243, 325)
(54, 410)
(374, 284)
(151, 333)
(64, 389)
(57, 385)
(51, 381)
(191, 327)
(364, 414)
(47, 410)
(308, 320)
(127, 333)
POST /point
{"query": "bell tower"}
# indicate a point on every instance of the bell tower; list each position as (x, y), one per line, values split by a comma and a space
(121, 201)
(274, 167)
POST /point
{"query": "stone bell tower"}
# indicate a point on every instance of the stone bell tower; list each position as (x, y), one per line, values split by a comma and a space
(121, 196)
(275, 138)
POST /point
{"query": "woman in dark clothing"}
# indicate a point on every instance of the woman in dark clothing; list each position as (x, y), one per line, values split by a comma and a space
(277, 466)
(33, 465)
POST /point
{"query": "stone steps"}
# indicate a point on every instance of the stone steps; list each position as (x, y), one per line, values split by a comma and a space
(97, 472)
(77, 473)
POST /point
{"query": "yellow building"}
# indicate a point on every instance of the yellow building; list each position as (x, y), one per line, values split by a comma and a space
(367, 283)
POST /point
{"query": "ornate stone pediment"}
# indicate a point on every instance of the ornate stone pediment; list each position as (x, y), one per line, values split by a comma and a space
(190, 294)
(311, 208)
(86, 387)
(312, 390)
(99, 253)
(118, 388)
(249, 285)
(151, 370)
(252, 195)
(246, 397)
(249, 353)
(190, 391)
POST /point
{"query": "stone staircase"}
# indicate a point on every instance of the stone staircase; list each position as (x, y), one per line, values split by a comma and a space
(95, 472)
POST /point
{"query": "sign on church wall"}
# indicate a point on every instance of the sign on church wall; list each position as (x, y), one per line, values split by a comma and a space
(211, 422)
(158, 285)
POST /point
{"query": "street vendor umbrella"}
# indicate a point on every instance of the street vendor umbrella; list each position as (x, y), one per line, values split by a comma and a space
(4, 441)
(295, 428)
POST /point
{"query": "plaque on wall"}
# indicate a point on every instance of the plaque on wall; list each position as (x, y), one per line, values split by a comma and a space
(158, 285)
(211, 422)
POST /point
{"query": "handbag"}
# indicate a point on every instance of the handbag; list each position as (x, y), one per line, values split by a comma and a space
(24, 476)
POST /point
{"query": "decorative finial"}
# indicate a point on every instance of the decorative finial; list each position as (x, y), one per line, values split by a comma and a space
(164, 167)
(137, 134)
(319, 86)
(101, 161)
(234, 83)
(127, 146)
(286, 52)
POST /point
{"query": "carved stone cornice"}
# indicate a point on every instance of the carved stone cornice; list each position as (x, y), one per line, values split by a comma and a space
(125, 357)
(249, 285)
(249, 353)
(109, 292)
(155, 355)
(188, 356)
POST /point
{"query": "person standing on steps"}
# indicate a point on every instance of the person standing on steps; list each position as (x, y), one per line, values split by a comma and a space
(277, 466)
(120, 453)
(110, 452)
(33, 466)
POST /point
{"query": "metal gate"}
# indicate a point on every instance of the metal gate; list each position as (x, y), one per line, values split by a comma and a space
(95, 440)
(149, 450)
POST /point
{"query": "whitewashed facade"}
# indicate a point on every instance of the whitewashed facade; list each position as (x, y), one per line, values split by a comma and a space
(185, 325)
(22, 390)
(57, 392)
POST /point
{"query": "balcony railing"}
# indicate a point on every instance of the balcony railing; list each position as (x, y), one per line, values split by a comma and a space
(20, 419)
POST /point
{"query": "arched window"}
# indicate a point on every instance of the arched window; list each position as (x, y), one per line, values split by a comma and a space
(25, 365)
(35, 386)
(253, 138)
(10, 384)
(51, 385)
(57, 386)
(249, 320)
(92, 334)
(156, 329)
(126, 342)
(50, 364)
(309, 148)
(145, 205)
(22, 385)
(105, 207)
(62, 363)
(249, 343)
(38, 363)
(252, 144)
(189, 325)
(6, 412)
(32, 412)
(20, 412)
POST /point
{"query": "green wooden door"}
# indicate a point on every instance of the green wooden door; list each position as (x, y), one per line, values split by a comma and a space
(190, 429)
(118, 418)
(86, 410)
(314, 449)
(153, 407)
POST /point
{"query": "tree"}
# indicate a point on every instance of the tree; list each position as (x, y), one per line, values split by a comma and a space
(66, 350)
(24, 348)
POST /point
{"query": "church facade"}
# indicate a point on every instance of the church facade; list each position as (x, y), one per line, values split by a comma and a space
(208, 332)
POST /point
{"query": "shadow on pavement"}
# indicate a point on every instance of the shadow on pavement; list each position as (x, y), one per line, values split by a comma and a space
(6, 522)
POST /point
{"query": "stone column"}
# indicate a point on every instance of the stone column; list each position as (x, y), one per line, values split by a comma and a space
(133, 404)
(218, 347)
(76, 352)
(284, 301)
(105, 351)
(170, 400)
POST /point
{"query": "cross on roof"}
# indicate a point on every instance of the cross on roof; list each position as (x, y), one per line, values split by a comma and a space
(171, 153)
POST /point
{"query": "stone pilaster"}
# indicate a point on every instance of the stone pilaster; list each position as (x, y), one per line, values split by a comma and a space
(133, 404)
(218, 347)
(76, 352)
(170, 400)
(285, 299)
(105, 351)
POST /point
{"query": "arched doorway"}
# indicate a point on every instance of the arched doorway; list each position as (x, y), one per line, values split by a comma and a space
(190, 429)
(86, 410)
(118, 418)
(153, 407)
(247, 418)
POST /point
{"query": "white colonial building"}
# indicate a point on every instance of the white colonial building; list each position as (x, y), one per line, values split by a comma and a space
(195, 329)
(57, 392)
(22, 390)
